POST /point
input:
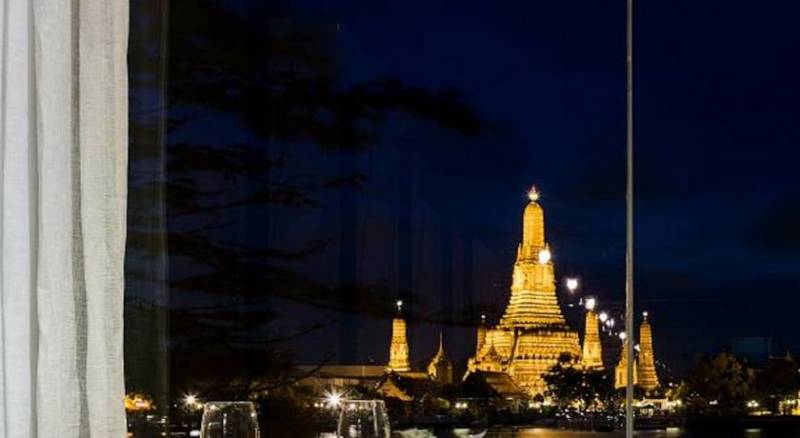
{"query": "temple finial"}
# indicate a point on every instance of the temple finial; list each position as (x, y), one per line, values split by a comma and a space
(399, 306)
(533, 194)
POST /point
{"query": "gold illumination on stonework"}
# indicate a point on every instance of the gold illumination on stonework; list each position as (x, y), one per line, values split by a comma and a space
(592, 357)
(648, 379)
(440, 369)
(398, 350)
(621, 372)
(532, 333)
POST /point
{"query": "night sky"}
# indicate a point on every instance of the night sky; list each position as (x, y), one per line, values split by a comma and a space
(717, 197)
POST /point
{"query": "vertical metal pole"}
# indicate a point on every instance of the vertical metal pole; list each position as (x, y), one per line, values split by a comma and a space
(629, 229)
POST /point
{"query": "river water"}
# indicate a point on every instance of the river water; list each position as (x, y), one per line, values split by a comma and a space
(556, 433)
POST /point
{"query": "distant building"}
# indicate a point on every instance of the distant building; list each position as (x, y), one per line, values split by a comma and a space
(339, 376)
(407, 386)
(484, 391)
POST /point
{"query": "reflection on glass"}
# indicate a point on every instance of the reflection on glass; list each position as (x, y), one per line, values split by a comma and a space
(229, 420)
(363, 419)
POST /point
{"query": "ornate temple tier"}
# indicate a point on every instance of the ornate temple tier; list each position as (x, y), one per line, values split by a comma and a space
(648, 379)
(532, 333)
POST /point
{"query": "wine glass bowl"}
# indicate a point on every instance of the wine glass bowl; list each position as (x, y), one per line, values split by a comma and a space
(363, 419)
(229, 419)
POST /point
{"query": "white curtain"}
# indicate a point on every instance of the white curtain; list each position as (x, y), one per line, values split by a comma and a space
(63, 183)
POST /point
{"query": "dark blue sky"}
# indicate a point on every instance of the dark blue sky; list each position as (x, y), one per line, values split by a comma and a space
(717, 196)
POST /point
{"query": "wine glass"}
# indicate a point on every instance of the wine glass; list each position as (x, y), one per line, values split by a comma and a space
(363, 419)
(229, 420)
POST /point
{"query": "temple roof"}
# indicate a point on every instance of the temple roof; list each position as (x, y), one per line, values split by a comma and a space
(341, 371)
(487, 384)
(407, 386)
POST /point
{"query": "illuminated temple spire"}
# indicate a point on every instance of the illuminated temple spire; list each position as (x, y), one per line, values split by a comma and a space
(532, 334)
(398, 350)
(533, 289)
(441, 368)
(648, 379)
(592, 356)
(621, 372)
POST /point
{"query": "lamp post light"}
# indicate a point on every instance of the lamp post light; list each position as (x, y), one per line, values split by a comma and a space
(190, 401)
(572, 284)
(333, 399)
(545, 256)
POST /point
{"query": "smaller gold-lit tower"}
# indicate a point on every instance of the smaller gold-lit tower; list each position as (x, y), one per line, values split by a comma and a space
(398, 350)
(592, 353)
(441, 368)
(648, 379)
(621, 372)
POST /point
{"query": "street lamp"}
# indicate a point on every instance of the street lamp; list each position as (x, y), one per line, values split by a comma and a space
(545, 256)
(333, 399)
(603, 316)
(572, 284)
(192, 402)
(622, 335)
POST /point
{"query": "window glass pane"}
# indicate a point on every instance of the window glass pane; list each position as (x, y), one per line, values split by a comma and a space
(361, 216)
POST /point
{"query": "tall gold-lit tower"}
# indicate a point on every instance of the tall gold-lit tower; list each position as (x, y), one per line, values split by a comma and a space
(398, 350)
(621, 372)
(648, 379)
(592, 355)
(532, 333)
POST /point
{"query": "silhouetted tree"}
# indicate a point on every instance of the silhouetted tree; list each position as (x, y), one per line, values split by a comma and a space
(719, 384)
(778, 381)
(569, 383)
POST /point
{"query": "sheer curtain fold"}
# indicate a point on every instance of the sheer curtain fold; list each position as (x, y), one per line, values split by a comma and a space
(63, 188)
